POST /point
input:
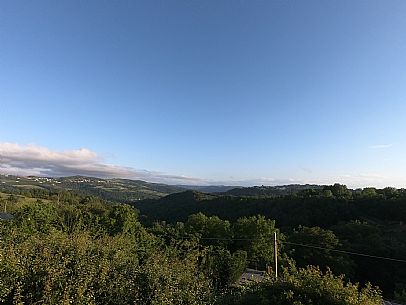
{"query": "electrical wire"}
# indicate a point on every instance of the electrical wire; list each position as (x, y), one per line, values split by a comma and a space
(309, 246)
(346, 252)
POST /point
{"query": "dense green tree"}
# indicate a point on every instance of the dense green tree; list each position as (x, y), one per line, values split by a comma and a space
(312, 255)
(369, 192)
(364, 237)
(222, 267)
(255, 235)
(390, 192)
(340, 191)
(212, 229)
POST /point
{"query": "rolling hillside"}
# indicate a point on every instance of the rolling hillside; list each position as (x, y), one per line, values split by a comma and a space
(116, 190)
(130, 191)
(271, 191)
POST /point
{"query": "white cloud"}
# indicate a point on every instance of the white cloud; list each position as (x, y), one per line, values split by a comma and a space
(36, 160)
(380, 146)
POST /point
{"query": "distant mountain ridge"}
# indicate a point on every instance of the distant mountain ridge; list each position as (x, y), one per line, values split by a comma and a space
(239, 201)
(129, 191)
(271, 191)
(117, 190)
(210, 188)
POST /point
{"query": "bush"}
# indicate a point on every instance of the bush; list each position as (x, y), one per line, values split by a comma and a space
(60, 268)
(306, 286)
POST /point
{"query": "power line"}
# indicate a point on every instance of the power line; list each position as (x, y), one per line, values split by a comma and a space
(218, 238)
(237, 239)
(308, 246)
(346, 252)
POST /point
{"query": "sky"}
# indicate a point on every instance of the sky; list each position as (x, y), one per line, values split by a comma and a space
(205, 92)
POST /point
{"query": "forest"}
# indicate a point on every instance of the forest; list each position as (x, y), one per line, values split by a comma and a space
(335, 246)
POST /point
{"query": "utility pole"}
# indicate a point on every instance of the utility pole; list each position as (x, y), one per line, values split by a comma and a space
(275, 253)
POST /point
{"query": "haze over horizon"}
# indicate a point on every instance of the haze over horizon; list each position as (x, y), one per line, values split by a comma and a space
(211, 92)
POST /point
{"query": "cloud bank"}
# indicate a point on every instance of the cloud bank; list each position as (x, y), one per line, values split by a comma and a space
(26, 160)
(34, 160)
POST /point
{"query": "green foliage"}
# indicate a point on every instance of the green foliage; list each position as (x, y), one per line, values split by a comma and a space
(325, 207)
(65, 248)
(365, 237)
(381, 214)
(369, 192)
(306, 286)
(400, 295)
(212, 230)
(93, 253)
(224, 268)
(340, 191)
(326, 239)
(255, 235)
(79, 269)
(36, 217)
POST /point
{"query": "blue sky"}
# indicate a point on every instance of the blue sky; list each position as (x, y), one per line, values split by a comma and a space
(243, 92)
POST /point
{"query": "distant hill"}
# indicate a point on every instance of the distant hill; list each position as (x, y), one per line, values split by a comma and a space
(130, 191)
(308, 207)
(174, 207)
(231, 204)
(117, 190)
(257, 191)
(271, 191)
(209, 188)
(177, 207)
